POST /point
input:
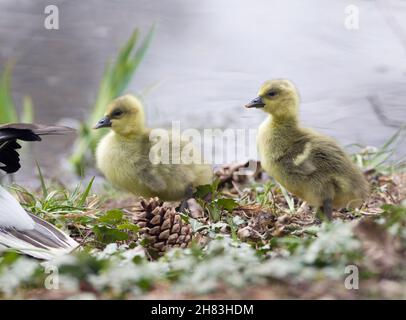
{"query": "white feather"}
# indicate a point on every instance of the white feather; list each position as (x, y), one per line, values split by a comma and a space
(30, 235)
(18, 245)
(12, 214)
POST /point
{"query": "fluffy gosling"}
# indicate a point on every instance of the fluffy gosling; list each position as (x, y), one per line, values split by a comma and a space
(124, 154)
(308, 164)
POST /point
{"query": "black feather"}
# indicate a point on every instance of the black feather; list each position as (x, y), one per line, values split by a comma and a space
(13, 134)
(9, 157)
(10, 133)
(38, 129)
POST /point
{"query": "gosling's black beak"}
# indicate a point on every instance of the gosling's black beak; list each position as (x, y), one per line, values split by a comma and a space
(256, 103)
(104, 122)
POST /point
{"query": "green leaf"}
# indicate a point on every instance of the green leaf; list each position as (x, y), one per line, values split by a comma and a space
(107, 235)
(137, 260)
(227, 204)
(233, 228)
(203, 190)
(112, 217)
(215, 186)
(214, 212)
(128, 226)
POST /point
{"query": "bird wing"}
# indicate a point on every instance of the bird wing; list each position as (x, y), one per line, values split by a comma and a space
(149, 177)
(297, 160)
(9, 156)
(12, 214)
(310, 155)
(10, 133)
(38, 129)
(163, 159)
(29, 234)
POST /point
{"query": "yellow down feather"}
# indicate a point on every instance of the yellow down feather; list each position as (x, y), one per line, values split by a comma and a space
(124, 156)
(308, 164)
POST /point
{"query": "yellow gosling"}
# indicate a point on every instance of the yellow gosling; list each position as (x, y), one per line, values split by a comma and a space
(308, 164)
(124, 154)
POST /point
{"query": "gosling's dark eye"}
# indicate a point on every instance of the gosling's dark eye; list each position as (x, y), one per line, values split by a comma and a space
(272, 93)
(117, 113)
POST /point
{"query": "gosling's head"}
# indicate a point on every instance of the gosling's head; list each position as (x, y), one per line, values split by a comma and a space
(278, 98)
(124, 115)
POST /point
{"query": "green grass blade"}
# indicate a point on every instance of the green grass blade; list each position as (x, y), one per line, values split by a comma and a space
(136, 60)
(289, 200)
(85, 194)
(115, 80)
(28, 110)
(8, 111)
(43, 185)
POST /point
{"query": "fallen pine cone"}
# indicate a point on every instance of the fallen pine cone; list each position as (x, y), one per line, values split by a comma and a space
(161, 226)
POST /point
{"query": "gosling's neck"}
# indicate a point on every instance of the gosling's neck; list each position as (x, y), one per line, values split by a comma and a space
(283, 130)
(285, 116)
(133, 134)
(287, 122)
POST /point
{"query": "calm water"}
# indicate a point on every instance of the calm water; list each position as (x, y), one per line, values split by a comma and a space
(208, 58)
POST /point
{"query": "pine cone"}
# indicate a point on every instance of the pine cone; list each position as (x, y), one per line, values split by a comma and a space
(161, 225)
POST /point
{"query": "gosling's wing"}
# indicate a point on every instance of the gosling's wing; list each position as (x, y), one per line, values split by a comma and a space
(149, 175)
(297, 160)
(164, 160)
(10, 133)
(29, 234)
(316, 153)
